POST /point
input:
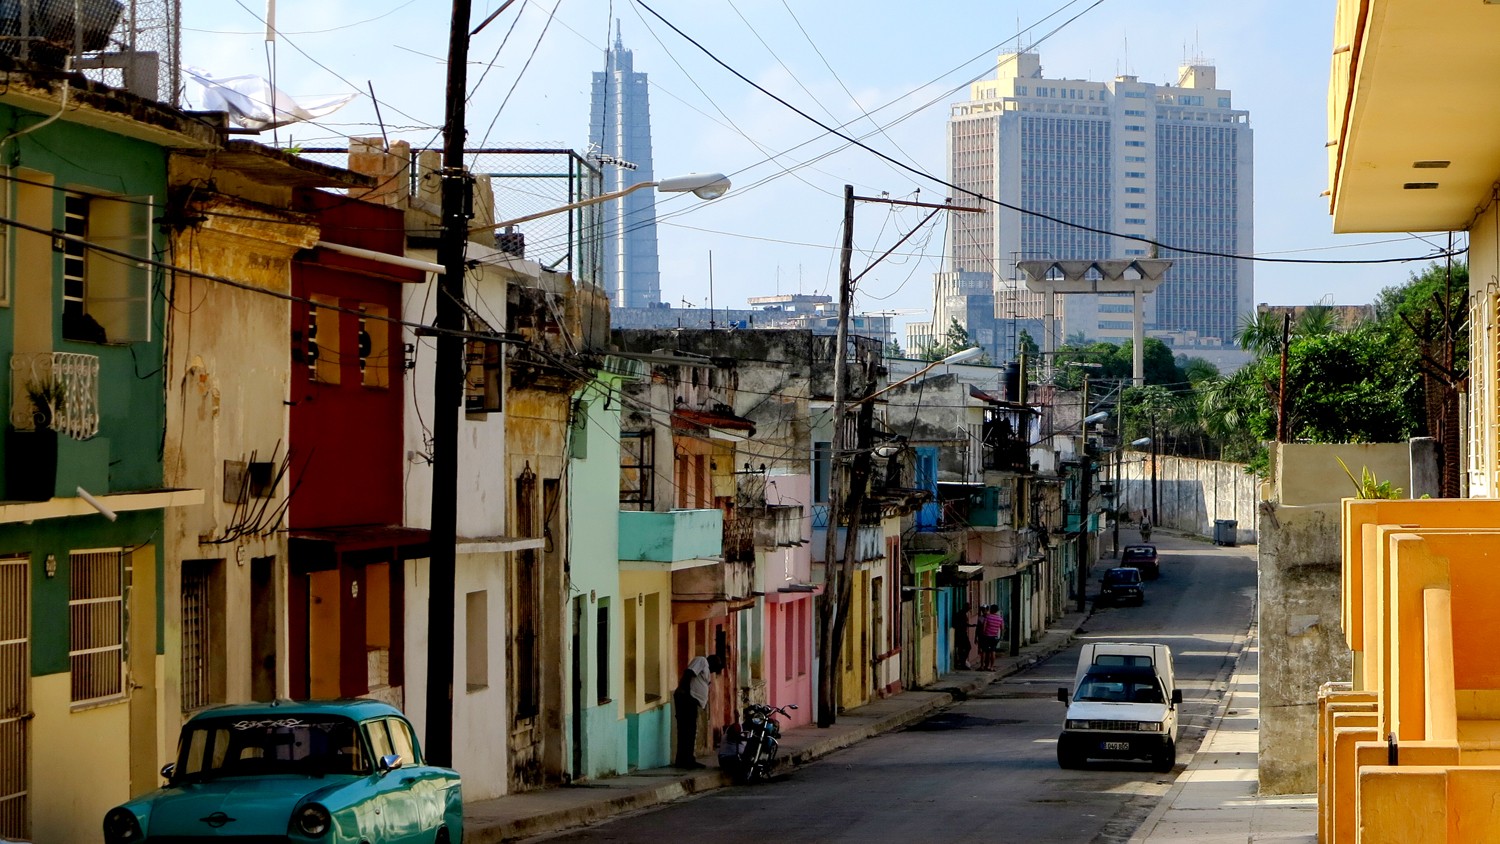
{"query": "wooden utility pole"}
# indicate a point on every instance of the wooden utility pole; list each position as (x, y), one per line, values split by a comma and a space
(1085, 481)
(448, 393)
(1286, 338)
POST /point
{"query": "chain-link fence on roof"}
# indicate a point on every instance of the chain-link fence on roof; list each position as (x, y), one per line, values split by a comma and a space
(526, 182)
(135, 44)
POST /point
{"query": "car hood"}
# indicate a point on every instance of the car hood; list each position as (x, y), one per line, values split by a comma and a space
(1089, 710)
(233, 806)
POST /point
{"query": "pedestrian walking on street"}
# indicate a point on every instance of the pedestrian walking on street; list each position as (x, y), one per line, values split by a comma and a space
(691, 697)
(992, 627)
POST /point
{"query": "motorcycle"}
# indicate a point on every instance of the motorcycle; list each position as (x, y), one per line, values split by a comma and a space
(749, 748)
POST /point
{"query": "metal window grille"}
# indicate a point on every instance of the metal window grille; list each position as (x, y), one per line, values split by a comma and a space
(96, 633)
(637, 468)
(15, 704)
(76, 223)
(196, 637)
(73, 410)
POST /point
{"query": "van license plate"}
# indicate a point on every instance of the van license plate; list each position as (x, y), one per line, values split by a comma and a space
(1116, 745)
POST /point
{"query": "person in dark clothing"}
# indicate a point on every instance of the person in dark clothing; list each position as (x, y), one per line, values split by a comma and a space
(961, 644)
(690, 697)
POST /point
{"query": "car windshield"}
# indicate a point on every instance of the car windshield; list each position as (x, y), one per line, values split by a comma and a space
(1122, 576)
(315, 745)
(1120, 687)
(1139, 553)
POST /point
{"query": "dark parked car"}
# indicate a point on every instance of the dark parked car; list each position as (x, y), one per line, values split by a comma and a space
(1143, 557)
(325, 771)
(1121, 586)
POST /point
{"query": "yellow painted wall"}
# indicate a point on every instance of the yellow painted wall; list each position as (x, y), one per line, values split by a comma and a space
(634, 585)
(80, 762)
(854, 687)
(1358, 514)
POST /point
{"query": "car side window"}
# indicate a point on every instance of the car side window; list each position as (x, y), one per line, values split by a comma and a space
(380, 740)
(401, 741)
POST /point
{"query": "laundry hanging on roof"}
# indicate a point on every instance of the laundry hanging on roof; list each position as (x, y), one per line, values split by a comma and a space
(253, 103)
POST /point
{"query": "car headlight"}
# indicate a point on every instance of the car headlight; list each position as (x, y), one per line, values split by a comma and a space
(312, 819)
(1077, 725)
(121, 826)
(1149, 726)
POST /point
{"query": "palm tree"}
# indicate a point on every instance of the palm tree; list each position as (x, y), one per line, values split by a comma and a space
(1316, 321)
(1260, 333)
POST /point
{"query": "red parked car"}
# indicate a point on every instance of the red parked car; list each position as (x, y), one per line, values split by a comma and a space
(1143, 557)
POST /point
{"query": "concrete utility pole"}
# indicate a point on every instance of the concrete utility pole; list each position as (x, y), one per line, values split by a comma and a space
(833, 610)
(1085, 481)
(447, 394)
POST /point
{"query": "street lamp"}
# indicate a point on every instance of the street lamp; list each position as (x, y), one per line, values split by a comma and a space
(702, 185)
(957, 357)
(448, 389)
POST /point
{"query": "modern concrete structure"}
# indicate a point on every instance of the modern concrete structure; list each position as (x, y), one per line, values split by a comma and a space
(817, 313)
(1418, 586)
(1123, 161)
(620, 141)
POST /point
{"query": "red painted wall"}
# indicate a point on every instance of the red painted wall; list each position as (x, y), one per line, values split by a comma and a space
(347, 450)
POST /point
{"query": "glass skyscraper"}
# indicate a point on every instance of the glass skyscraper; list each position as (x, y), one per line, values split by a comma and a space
(620, 143)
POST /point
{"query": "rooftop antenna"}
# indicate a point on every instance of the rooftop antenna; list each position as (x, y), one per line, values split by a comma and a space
(710, 289)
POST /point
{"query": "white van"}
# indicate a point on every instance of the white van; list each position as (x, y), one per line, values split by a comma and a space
(1124, 706)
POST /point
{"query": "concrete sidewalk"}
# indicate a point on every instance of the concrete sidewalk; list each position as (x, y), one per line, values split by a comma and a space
(519, 816)
(1216, 800)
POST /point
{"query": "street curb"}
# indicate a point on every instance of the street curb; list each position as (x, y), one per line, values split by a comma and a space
(570, 817)
(1164, 804)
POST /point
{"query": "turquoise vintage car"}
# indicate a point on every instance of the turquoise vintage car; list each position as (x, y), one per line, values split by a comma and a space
(315, 771)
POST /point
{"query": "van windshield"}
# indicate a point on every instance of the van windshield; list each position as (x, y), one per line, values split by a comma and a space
(1120, 687)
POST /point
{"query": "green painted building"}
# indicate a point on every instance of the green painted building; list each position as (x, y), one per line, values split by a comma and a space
(83, 314)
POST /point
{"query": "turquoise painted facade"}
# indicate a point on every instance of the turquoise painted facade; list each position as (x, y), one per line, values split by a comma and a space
(90, 325)
(671, 536)
(597, 730)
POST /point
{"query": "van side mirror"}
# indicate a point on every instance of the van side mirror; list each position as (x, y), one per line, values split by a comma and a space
(1177, 695)
(1062, 694)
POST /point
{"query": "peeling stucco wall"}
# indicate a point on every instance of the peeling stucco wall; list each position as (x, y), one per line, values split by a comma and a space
(1301, 642)
(1300, 596)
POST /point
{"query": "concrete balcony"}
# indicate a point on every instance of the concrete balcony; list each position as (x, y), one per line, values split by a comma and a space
(676, 539)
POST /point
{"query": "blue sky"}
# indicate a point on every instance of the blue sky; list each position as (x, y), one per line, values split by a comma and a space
(779, 230)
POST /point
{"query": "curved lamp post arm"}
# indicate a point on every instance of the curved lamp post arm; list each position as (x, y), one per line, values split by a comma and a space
(704, 186)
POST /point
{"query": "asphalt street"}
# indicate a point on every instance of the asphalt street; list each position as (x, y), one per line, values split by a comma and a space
(985, 769)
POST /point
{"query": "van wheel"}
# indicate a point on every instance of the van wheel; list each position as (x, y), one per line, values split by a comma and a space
(1166, 758)
(1067, 757)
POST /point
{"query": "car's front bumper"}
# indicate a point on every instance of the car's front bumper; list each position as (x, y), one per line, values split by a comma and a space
(1112, 745)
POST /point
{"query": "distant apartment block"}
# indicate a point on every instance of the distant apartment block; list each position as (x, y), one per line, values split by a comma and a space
(1170, 163)
(810, 312)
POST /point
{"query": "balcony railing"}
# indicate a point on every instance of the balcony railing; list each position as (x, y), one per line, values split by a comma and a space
(59, 390)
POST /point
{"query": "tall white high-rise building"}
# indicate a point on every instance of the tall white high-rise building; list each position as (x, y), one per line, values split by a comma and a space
(1171, 163)
(620, 142)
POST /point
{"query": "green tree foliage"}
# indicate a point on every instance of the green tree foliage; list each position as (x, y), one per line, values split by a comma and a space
(893, 350)
(956, 339)
(1028, 346)
(1116, 362)
(1196, 370)
(1352, 386)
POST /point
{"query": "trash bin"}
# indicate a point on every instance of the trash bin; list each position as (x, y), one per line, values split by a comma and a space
(1224, 531)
